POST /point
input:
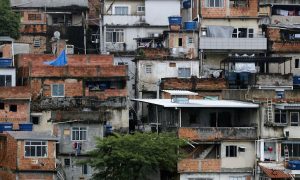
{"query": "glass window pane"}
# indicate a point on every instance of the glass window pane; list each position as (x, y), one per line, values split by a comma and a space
(39, 151)
(44, 151)
(8, 80)
(2, 80)
(27, 151)
(32, 151)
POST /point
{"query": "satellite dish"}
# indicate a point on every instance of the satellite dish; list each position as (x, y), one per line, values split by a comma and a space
(57, 34)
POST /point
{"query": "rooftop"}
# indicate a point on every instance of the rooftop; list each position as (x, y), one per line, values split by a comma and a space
(31, 135)
(193, 103)
(48, 3)
(274, 170)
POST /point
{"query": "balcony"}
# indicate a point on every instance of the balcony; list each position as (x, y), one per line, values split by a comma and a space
(199, 165)
(217, 133)
(124, 19)
(213, 43)
(285, 19)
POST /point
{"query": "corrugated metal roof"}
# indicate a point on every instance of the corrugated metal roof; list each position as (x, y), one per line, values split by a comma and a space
(48, 3)
(32, 135)
(287, 106)
(180, 92)
(200, 103)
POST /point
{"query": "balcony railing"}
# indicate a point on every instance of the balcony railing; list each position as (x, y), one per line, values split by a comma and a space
(216, 43)
(217, 133)
(199, 165)
(124, 19)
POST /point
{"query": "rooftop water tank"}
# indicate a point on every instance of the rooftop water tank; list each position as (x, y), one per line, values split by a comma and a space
(175, 20)
(294, 165)
(5, 126)
(186, 4)
(25, 127)
(190, 25)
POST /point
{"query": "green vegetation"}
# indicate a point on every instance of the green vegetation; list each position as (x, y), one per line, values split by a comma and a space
(137, 156)
(9, 21)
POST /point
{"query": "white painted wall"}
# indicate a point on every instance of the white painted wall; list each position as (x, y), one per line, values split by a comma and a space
(243, 160)
(162, 69)
(129, 34)
(9, 71)
(158, 11)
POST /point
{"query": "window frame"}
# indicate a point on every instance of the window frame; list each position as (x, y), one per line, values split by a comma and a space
(228, 151)
(80, 130)
(280, 115)
(248, 33)
(12, 106)
(59, 84)
(142, 7)
(7, 82)
(30, 145)
(36, 43)
(148, 69)
(294, 123)
(208, 4)
(184, 68)
(34, 17)
(116, 33)
(297, 63)
(121, 6)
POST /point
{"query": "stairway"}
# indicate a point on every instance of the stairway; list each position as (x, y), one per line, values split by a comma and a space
(61, 175)
(206, 152)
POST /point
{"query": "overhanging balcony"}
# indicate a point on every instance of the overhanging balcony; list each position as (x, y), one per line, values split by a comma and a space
(124, 20)
(217, 133)
(216, 43)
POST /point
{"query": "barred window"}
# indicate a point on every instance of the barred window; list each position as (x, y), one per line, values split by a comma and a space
(114, 35)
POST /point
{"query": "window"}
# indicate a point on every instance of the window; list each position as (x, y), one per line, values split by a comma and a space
(5, 80)
(294, 118)
(239, 3)
(35, 119)
(148, 69)
(67, 162)
(243, 33)
(79, 134)
(172, 64)
(190, 40)
(121, 10)
(179, 42)
(58, 90)
(237, 178)
(140, 9)
(297, 63)
(1, 105)
(214, 3)
(294, 149)
(280, 117)
(184, 72)
(114, 35)
(34, 17)
(36, 149)
(84, 169)
(36, 43)
(231, 151)
(13, 108)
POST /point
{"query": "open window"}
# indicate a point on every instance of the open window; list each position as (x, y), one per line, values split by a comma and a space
(239, 3)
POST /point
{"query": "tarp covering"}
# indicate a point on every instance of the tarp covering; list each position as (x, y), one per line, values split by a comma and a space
(245, 67)
(220, 31)
(61, 60)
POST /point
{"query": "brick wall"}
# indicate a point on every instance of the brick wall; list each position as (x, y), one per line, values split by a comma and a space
(47, 163)
(33, 28)
(93, 11)
(154, 52)
(8, 153)
(6, 51)
(278, 45)
(227, 11)
(21, 116)
(5, 175)
(197, 165)
(76, 60)
(107, 93)
(34, 176)
(73, 87)
(28, 39)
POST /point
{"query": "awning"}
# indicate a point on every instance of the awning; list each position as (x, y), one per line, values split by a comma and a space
(199, 103)
(287, 106)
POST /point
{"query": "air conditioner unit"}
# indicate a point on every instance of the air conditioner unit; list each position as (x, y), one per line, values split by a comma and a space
(70, 49)
(34, 162)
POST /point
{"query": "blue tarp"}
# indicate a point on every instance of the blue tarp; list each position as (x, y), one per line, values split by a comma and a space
(61, 60)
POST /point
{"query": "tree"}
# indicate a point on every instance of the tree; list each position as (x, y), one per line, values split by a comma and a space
(9, 20)
(132, 157)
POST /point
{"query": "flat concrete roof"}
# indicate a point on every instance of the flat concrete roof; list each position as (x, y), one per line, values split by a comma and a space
(197, 103)
(180, 92)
